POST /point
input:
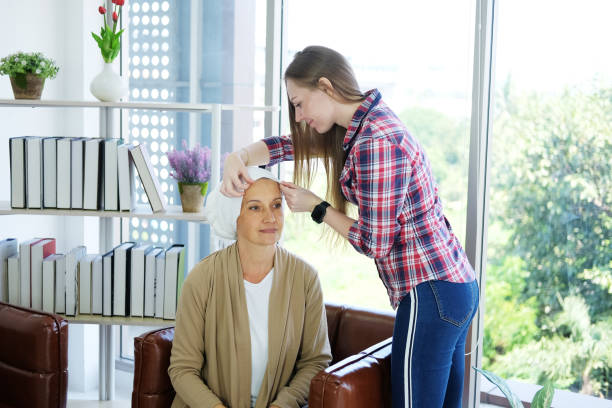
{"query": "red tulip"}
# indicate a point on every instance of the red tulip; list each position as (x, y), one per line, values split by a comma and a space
(102, 10)
(115, 16)
(119, 2)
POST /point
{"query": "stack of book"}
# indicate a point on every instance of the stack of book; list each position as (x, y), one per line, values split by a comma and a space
(130, 280)
(80, 173)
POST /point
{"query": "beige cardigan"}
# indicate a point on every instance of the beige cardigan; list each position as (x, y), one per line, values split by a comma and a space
(211, 351)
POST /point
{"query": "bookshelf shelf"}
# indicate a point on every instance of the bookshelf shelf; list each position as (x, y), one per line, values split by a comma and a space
(173, 212)
(118, 320)
(160, 106)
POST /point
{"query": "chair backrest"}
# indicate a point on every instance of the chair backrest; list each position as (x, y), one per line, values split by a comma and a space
(353, 329)
(152, 386)
(33, 358)
(350, 331)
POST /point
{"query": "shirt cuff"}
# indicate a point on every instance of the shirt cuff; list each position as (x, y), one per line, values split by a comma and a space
(354, 237)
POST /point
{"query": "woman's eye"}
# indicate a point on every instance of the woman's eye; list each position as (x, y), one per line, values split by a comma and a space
(254, 208)
(277, 205)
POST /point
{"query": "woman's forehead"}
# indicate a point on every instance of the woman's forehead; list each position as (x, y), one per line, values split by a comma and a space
(294, 88)
(262, 188)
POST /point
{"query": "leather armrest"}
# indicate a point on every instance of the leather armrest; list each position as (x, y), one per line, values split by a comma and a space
(361, 380)
(33, 358)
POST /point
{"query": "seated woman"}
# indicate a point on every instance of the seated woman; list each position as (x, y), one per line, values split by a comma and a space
(251, 328)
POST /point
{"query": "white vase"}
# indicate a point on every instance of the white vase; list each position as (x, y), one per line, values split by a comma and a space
(108, 86)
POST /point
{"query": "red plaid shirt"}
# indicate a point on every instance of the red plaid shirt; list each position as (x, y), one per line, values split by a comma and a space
(401, 225)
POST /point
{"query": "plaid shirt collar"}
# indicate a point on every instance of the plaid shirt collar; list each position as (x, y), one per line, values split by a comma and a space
(371, 100)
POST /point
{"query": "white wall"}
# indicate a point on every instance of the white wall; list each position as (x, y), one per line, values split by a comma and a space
(61, 31)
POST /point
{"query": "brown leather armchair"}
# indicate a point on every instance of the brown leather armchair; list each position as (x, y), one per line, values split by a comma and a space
(357, 377)
(33, 358)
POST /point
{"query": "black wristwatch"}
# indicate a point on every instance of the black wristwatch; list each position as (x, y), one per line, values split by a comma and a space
(318, 213)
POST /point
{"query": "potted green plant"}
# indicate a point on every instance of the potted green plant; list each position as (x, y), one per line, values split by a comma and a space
(28, 72)
(542, 399)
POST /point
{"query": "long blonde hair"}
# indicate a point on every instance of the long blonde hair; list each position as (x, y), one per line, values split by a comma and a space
(307, 67)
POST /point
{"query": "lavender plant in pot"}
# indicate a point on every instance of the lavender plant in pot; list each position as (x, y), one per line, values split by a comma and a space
(191, 169)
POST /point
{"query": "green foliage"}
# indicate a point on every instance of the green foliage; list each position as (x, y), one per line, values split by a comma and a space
(109, 39)
(509, 321)
(549, 279)
(513, 399)
(554, 178)
(109, 42)
(28, 63)
(572, 352)
(542, 399)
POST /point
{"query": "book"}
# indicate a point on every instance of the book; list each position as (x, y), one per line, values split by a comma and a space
(14, 278)
(72, 264)
(96, 285)
(160, 273)
(149, 181)
(40, 251)
(49, 281)
(60, 283)
(64, 177)
(149, 281)
(8, 247)
(76, 172)
(49, 147)
(25, 272)
(33, 151)
(18, 172)
(137, 279)
(93, 175)
(174, 277)
(121, 279)
(125, 175)
(84, 279)
(111, 180)
(107, 280)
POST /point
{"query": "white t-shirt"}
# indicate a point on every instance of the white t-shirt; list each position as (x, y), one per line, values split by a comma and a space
(258, 300)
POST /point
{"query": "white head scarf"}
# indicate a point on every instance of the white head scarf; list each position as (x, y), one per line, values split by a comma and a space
(222, 211)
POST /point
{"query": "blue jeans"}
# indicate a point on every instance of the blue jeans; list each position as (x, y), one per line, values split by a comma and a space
(427, 359)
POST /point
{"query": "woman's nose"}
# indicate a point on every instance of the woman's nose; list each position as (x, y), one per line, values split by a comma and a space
(269, 216)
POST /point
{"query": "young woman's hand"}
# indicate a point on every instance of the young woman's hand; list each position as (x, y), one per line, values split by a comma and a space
(236, 178)
(299, 199)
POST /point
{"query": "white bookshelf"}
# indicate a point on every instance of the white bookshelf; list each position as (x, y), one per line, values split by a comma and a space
(107, 218)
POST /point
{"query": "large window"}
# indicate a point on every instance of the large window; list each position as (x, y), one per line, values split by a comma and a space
(549, 281)
(419, 55)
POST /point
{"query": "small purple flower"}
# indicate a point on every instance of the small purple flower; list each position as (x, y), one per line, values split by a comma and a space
(190, 165)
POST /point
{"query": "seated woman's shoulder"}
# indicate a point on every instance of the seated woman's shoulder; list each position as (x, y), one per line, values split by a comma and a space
(298, 263)
(207, 266)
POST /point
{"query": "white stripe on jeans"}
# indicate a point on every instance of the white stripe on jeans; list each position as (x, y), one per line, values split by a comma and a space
(408, 350)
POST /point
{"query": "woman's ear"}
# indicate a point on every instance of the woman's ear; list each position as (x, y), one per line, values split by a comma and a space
(326, 86)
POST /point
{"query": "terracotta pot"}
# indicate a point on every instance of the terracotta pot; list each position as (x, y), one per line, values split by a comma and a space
(192, 196)
(27, 86)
